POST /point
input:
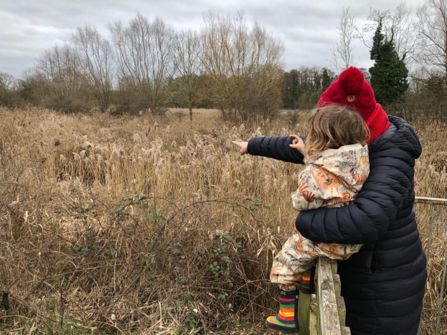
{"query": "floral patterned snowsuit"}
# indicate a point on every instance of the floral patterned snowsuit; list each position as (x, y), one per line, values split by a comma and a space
(333, 179)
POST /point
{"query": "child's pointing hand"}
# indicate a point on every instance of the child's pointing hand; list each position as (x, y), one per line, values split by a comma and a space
(298, 144)
(242, 146)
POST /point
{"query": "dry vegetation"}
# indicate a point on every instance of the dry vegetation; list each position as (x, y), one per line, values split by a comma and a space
(117, 225)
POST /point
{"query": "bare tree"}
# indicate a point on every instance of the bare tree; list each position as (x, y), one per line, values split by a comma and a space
(342, 54)
(215, 38)
(97, 59)
(7, 89)
(401, 27)
(7, 81)
(34, 87)
(187, 62)
(62, 69)
(145, 57)
(432, 36)
(397, 25)
(243, 65)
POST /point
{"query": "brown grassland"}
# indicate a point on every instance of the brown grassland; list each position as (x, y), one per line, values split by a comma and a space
(143, 225)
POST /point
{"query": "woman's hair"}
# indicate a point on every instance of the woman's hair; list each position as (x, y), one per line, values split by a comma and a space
(334, 126)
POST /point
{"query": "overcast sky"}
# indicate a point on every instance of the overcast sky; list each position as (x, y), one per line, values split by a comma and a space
(307, 27)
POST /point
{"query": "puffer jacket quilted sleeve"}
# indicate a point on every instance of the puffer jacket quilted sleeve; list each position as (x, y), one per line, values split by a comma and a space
(275, 147)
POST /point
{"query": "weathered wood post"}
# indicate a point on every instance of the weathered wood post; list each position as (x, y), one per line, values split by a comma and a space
(327, 300)
(326, 308)
(304, 313)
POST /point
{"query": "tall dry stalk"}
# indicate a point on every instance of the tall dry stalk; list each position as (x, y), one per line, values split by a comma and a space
(143, 225)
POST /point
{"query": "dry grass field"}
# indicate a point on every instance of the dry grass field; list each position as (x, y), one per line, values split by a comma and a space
(143, 225)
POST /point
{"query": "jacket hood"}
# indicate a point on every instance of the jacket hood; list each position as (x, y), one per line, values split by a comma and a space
(399, 134)
(346, 162)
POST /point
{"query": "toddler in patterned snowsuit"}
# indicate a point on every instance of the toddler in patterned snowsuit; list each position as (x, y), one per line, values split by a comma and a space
(337, 165)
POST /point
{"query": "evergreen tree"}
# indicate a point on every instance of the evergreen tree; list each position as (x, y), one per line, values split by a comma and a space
(389, 73)
(377, 42)
(326, 79)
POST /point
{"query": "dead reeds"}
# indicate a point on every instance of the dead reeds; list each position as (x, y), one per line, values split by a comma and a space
(150, 226)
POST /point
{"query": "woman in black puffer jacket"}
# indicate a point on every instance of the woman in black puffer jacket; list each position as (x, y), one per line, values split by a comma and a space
(382, 285)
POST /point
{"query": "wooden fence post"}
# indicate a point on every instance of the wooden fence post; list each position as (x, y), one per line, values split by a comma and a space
(327, 301)
(304, 313)
(323, 313)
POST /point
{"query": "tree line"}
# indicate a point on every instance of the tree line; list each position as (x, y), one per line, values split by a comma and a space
(232, 66)
(146, 65)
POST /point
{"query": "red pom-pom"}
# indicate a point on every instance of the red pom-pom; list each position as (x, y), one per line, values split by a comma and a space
(351, 81)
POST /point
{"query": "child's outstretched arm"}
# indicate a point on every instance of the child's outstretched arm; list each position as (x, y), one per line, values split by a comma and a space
(277, 147)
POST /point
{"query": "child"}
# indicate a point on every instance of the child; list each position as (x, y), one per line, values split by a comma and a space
(337, 165)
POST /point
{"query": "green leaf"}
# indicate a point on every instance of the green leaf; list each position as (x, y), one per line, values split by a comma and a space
(119, 209)
(77, 248)
(222, 296)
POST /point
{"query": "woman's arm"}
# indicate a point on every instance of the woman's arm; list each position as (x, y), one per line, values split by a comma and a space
(369, 216)
(275, 147)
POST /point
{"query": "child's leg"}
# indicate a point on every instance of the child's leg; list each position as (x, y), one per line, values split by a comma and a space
(290, 264)
(290, 272)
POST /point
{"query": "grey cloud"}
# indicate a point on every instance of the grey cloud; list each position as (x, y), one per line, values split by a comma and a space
(306, 27)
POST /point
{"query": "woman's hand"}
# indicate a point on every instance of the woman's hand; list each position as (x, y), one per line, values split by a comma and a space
(298, 144)
(242, 146)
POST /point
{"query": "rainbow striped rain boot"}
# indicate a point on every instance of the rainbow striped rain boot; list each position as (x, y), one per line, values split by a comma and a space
(308, 281)
(287, 319)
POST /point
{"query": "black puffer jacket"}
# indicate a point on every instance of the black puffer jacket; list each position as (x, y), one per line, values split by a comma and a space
(383, 285)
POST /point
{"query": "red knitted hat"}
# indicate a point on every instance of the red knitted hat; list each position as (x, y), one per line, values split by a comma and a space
(353, 90)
